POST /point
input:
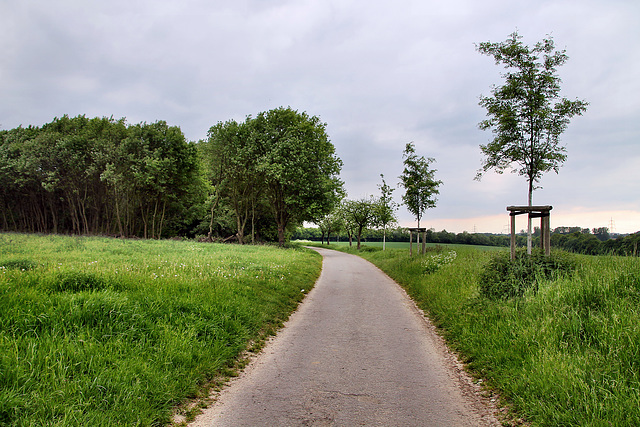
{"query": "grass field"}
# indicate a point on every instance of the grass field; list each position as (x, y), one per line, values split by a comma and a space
(398, 245)
(103, 332)
(568, 355)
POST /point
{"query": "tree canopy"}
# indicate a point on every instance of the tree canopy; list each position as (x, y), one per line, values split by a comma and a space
(419, 182)
(526, 114)
(99, 176)
(280, 161)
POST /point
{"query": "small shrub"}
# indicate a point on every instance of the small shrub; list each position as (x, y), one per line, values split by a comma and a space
(504, 278)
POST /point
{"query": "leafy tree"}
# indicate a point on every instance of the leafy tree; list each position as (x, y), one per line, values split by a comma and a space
(232, 158)
(360, 214)
(419, 182)
(298, 166)
(526, 114)
(385, 210)
(331, 223)
(602, 233)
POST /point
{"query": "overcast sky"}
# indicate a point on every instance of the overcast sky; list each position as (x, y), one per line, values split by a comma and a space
(379, 73)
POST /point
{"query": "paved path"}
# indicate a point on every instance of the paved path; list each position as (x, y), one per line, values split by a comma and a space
(357, 352)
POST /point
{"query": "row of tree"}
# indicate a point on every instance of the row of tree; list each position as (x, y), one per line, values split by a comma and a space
(99, 176)
(586, 241)
(355, 217)
(104, 176)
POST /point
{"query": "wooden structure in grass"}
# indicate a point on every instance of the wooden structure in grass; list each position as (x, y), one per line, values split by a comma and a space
(424, 238)
(542, 212)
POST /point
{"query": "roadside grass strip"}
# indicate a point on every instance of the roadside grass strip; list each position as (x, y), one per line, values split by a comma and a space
(567, 354)
(103, 332)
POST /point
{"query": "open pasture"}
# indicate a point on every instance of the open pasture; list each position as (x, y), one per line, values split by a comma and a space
(99, 331)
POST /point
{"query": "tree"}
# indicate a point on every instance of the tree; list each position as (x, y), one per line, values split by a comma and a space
(231, 156)
(360, 214)
(330, 223)
(385, 210)
(298, 165)
(419, 182)
(526, 114)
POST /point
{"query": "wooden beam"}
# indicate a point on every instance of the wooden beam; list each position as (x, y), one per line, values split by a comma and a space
(513, 237)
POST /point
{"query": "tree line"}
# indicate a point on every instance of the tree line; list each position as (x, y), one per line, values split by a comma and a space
(104, 176)
(585, 241)
(99, 176)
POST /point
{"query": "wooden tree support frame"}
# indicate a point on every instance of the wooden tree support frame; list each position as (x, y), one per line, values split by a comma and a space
(424, 238)
(542, 212)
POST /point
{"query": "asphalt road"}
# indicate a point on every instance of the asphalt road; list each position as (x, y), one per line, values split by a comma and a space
(357, 352)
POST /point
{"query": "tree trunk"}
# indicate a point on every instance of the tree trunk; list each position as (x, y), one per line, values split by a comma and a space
(529, 244)
(384, 238)
(280, 234)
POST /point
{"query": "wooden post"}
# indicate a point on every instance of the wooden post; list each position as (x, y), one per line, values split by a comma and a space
(410, 243)
(424, 242)
(513, 236)
(542, 212)
(547, 234)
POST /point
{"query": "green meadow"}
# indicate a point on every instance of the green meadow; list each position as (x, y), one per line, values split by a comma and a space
(99, 331)
(566, 355)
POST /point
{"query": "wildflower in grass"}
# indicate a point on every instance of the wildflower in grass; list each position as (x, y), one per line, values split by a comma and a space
(434, 262)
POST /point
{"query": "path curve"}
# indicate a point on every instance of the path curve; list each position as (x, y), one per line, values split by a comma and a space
(356, 352)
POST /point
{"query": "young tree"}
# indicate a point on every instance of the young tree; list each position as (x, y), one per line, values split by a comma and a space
(330, 223)
(360, 214)
(419, 182)
(526, 114)
(385, 210)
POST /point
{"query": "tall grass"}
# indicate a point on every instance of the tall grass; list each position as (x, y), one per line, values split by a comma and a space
(103, 332)
(566, 355)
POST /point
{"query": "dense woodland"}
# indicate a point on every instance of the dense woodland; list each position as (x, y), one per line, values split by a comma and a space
(104, 176)
(99, 176)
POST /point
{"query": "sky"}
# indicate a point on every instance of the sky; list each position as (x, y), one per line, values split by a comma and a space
(379, 73)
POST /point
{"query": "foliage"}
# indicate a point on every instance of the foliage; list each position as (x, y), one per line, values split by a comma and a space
(419, 182)
(503, 277)
(358, 215)
(279, 164)
(566, 355)
(299, 166)
(104, 332)
(98, 176)
(330, 223)
(385, 214)
(526, 114)
(231, 155)
(590, 244)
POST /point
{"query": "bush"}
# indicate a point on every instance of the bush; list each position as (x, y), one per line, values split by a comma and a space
(504, 278)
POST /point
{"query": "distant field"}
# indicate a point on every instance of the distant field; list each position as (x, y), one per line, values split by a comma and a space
(103, 332)
(405, 245)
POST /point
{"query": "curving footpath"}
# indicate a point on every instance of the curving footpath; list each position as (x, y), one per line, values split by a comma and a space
(356, 353)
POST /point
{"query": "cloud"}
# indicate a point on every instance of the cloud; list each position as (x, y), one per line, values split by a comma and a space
(379, 74)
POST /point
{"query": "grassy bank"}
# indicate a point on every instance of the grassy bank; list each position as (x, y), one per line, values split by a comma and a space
(568, 355)
(99, 332)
